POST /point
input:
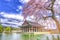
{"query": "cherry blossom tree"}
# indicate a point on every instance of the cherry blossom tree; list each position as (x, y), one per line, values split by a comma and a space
(42, 9)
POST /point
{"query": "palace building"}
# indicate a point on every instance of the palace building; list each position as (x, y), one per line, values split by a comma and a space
(34, 27)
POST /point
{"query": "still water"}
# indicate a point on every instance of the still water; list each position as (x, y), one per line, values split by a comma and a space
(22, 36)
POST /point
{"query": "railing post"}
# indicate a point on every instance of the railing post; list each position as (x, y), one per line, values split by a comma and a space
(47, 38)
(58, 37)
(52, 37)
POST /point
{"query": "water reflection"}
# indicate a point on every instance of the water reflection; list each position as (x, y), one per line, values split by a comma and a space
(12, 36)
(0, 36)
(22, 36)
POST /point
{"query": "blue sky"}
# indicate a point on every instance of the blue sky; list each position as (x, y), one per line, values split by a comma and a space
(10, 6)
(10, 12)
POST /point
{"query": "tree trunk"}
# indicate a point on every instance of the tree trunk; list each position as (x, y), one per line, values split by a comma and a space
(54, 18)
(57, 23)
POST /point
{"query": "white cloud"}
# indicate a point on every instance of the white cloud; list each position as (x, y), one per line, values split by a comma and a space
(3, 20)
(11, 22)
(18, 19)
(20, 7)
(5, 25)
(10, 25)
(2, 13)
(15, 16)
(24, 1)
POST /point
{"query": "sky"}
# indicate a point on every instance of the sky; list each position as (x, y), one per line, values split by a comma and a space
(10, 12)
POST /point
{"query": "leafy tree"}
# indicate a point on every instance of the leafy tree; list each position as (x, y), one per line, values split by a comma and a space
(8, 29)
(1, 28)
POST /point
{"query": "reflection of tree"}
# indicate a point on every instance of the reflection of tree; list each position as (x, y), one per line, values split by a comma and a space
(28, 36)
(41, 10)
(32, 36)
(0, 36)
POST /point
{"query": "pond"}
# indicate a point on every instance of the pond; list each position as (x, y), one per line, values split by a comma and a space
(22, 36)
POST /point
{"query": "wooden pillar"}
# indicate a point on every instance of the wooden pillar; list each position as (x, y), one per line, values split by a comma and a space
(35, 29)
(23, 29)
(27, 29)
